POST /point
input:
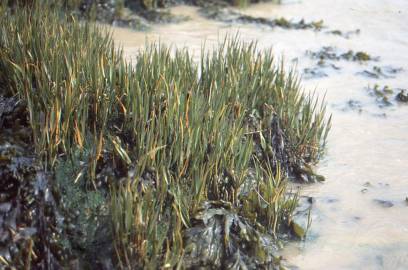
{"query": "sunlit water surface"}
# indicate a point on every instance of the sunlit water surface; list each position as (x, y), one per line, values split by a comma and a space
(349, 229)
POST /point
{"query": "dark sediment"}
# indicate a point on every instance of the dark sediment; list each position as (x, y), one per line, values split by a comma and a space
(30, 220)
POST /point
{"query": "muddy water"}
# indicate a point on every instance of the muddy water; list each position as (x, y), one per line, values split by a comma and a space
(367, 157)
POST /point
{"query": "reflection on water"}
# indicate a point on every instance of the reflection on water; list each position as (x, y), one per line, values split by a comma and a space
(368, 148)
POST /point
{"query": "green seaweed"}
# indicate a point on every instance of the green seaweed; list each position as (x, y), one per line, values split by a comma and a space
(362, 56)
(382, 94)
(381, 72)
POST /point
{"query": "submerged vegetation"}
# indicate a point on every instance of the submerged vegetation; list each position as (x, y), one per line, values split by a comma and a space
(332, 53)
(157, 163)
(383, 95)
(381, 72)
(344, 34)
(328, 55)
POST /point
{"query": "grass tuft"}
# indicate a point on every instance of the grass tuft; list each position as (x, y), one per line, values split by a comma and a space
(164, 135)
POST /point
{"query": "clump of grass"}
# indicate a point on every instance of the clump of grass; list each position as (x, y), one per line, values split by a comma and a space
(162, 136)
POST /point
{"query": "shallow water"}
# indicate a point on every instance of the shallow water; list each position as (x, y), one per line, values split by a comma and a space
(367, 155)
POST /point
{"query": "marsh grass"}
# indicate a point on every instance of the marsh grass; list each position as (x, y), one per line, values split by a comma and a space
(172, 134)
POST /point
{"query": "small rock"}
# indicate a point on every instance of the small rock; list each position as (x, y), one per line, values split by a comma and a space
(384, 203)
(301, 217)
(299, 229)
(357, 218)
(311, 200)
(402, 96)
